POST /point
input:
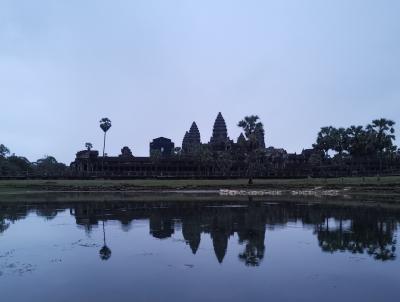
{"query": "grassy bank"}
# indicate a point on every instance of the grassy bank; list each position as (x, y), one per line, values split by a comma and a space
(355, 183)
(384, 190)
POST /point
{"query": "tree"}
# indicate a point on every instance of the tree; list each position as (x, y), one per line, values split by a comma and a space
(19, 165)
(4, 151)
(357, 140)
(13, 165)
(382, 132)
(252, 130)
(88, 146)
(49, 166)
(376, 138)
(105, 125)
(325, 140)
(340, 140)
(331, 138)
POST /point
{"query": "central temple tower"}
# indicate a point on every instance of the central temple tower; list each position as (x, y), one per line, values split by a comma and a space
(219, 140)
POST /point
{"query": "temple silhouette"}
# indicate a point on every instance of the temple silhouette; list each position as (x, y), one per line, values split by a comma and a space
(366, 230)
(221, 157)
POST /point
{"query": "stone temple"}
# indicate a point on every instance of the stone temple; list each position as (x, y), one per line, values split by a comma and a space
(221, 157)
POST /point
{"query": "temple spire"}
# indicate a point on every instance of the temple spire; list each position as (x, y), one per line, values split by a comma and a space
(241, 139)
(191, 140)
(220, 133)
(220, 140)
(194, 134)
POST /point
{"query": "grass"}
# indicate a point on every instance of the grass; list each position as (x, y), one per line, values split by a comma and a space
(197, 184)
(384, 190)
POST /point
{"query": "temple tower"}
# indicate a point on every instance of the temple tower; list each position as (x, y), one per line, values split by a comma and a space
(194, 134)
(185, 141)
(260, 133)
(126, 152)
(220, 134)
(162, 146)
(191, 141)
(241, 140)
(220, 140)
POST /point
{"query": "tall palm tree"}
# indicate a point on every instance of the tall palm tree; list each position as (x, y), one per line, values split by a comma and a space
(105, 125)
(250, 124)
(4, 151)
(382, 131)
(341, 140)
(325, 140)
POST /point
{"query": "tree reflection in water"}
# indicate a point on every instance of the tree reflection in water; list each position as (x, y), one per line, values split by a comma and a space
(360, 230)
(105, 251)
(364, 235)
(3, 225)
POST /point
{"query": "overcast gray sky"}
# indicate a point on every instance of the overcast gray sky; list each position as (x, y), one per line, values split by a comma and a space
(153, 67)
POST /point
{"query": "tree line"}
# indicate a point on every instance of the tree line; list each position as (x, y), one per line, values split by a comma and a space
(375, 140)
(13, 165)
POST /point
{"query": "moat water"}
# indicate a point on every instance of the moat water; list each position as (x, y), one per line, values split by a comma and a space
(198, 251)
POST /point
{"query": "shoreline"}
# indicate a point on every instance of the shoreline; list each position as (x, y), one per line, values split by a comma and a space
(168, 199)
(383, 189)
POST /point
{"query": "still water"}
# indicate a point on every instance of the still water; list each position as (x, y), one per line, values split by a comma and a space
(198, 251)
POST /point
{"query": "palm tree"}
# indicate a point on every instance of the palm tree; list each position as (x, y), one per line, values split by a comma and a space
(382, 131)
(4, 151)
(384, 134)
(88, 146)
(357, 140)
(105, 125)
(325, 140)
(341, 141)
(254, 133)
(249, 125)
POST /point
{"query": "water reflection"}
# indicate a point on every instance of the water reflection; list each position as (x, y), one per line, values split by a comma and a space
(361, 230)
(364, 234)
(105, 251)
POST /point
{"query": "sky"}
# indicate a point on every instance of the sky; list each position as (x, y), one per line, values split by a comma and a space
(155, 66)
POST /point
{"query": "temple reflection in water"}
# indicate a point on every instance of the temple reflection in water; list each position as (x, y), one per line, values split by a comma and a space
(361, 230)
